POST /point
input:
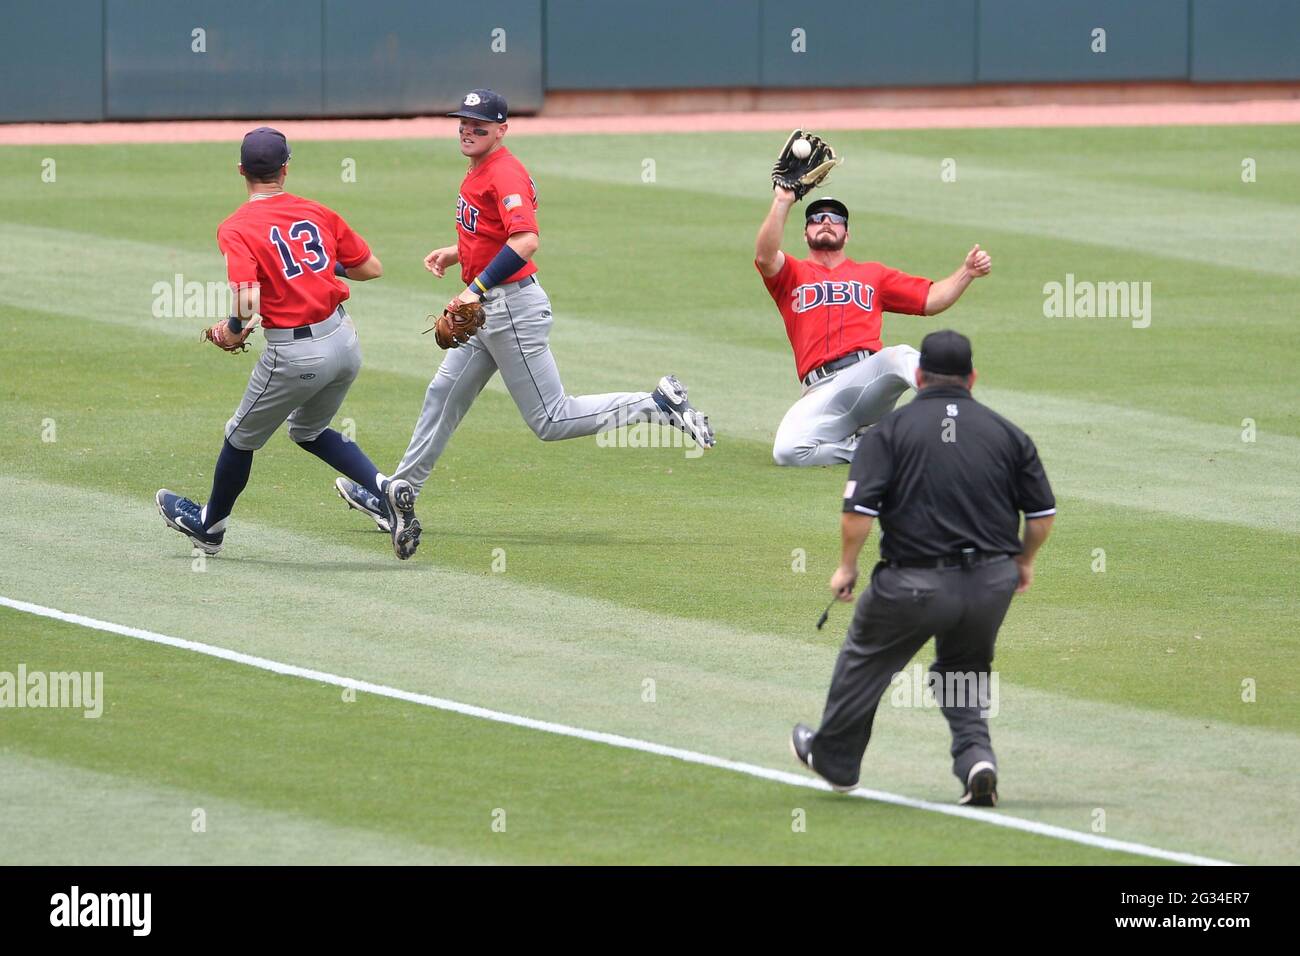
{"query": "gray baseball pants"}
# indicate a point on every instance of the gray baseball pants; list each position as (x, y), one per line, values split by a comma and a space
(819, 428)
(514, 342)
(302, 377)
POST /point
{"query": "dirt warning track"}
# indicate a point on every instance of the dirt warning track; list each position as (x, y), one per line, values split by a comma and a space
(1246, 112)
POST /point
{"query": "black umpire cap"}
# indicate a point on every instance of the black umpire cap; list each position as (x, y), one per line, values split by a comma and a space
(827, 204)
(264, 151)
(486, 105)
(946, 353)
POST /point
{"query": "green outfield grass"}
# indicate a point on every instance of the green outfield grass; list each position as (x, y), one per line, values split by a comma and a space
(1121, 691)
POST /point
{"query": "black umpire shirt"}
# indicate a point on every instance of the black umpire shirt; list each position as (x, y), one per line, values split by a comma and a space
(944, 473)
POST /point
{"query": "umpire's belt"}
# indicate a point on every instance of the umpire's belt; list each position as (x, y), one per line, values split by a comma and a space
(317, 330)
(966, 558)
(830, 368)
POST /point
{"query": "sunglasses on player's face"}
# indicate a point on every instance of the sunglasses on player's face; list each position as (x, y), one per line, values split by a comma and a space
(476, 130)
(836, 218)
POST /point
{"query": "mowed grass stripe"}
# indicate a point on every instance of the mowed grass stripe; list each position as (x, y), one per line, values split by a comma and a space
(479, 638)
(290, 760)
(1248, 230)
(1108, 453)
(660, 240)
(1123, 689)
(1166, 579)
(58, 812)
(450, 752)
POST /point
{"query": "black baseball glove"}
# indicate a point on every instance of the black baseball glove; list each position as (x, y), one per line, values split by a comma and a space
(800, 176)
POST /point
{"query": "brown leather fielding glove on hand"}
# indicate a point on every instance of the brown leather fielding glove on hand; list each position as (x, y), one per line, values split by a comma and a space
(801, 176)
(221, 336)
(457, 324)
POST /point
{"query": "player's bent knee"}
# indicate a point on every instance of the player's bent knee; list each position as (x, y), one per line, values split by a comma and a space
(242, 442)
(790, 456)
(904, 360)
(546, 429)
(305, 437)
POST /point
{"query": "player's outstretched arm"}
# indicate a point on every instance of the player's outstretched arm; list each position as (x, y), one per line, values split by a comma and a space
(767, 247)
(440, 260)
(947, 291)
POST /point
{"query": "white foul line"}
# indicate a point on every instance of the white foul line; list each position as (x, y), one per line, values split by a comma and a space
(615, 740)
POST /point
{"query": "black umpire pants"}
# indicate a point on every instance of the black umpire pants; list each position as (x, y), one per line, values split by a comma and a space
(901, 609)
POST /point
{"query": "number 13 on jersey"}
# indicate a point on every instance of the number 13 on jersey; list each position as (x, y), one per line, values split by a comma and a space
(306, 232)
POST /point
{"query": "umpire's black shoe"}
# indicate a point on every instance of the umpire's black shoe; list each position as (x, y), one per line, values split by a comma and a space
(981, 786)
(801, 739)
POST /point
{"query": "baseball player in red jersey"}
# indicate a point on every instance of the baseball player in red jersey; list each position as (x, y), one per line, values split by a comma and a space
(284, 256)
(832, 309)
(497, 236)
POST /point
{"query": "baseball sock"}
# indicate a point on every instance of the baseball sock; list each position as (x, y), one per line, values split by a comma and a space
(347, 458)
(229, 479)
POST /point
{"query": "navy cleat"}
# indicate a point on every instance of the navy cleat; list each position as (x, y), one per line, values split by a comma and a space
(801, 739)
(405, 526)
(185, 516)
(670, 396)
(362, 500)
(981, 786)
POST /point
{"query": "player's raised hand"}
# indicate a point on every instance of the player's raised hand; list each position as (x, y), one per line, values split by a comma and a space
(438, 260)
(978, 262)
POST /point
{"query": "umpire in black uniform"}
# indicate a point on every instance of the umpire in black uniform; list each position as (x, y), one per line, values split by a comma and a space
(948, 478)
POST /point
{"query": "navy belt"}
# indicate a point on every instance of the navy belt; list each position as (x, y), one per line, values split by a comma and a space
(510, 288)
(306, 331)
(830, 368)
(326, 326)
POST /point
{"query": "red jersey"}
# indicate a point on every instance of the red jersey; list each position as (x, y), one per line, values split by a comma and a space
(831, 312)
(497, 200)
(287, 246)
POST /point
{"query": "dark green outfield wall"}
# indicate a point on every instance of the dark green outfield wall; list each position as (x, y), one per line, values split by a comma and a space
(137, 59)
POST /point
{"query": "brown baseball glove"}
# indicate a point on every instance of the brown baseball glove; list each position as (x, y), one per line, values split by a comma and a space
(457, 324)
(221, 336)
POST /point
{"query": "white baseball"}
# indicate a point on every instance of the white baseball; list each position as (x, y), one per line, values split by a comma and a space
(801, 148)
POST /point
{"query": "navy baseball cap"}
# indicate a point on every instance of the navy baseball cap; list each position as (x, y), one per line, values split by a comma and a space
(827, 204)
(946, 353)
(264, 151)
(486, 105)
